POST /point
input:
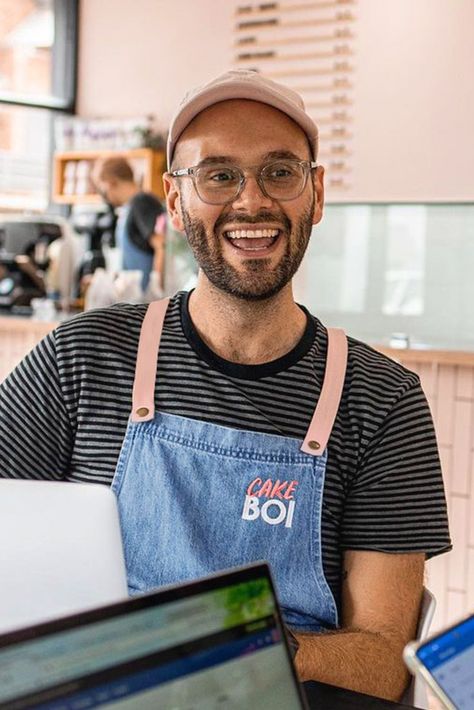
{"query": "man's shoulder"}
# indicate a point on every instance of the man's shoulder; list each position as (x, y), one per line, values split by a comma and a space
(365, 360)
(115, 323)
(120, 315)
(146, 200)
(369, 372)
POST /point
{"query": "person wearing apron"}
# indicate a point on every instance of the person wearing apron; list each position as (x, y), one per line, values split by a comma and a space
(195, 498)
(248, 437)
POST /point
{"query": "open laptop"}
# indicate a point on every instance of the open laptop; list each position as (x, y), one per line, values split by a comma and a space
(210, 644)
(446, 662)
(60, 550)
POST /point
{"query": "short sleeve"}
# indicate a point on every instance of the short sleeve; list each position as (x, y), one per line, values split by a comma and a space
(35, 432)
(397, 501)
(144, 210)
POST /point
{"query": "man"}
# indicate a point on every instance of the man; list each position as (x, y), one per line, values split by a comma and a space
(211, 471)
(142, 246)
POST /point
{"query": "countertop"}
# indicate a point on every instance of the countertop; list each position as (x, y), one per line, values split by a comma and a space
(406, 355)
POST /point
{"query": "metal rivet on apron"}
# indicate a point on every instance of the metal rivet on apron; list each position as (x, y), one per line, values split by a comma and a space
(143, 411)
(314, 445)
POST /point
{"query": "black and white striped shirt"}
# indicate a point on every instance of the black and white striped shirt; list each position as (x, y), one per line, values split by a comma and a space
(64, 411)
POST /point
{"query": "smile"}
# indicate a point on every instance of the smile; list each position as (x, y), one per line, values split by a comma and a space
(252, 239)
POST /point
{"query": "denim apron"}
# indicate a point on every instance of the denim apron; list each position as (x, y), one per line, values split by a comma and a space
(133, 258)
(195, 498)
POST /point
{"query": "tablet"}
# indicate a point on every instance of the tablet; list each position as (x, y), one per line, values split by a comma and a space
(446, 662)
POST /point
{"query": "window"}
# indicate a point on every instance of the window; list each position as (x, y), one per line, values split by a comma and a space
(38, 45)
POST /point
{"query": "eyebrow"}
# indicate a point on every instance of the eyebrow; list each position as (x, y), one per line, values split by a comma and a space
(272, 155)
(282, 154)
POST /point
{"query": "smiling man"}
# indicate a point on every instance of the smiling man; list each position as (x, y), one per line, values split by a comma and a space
(254, 431)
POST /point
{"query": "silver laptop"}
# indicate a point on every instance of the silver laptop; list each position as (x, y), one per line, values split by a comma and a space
(211, 644)
(60, 550)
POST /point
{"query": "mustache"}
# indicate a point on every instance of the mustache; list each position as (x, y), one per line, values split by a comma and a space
(263, 216)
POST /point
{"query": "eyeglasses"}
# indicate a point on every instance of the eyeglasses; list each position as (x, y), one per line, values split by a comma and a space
(219, 183)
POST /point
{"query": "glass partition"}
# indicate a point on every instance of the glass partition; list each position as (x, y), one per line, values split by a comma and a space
(406, 269)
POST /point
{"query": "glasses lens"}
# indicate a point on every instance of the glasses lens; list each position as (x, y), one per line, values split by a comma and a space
(284, 179)
(217, 184)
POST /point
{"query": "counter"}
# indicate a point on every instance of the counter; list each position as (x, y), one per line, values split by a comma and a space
(17, 337)
(426, 355)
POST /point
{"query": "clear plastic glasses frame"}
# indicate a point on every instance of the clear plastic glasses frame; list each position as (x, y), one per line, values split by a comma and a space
(220, 183)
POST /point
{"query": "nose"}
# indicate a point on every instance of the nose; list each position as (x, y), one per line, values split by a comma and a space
(251, 198)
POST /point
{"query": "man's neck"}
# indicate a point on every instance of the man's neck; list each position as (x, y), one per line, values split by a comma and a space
(246, 332)
(128, 192)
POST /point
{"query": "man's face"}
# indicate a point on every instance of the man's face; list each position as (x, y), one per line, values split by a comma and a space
(247, 134)
(110, 191)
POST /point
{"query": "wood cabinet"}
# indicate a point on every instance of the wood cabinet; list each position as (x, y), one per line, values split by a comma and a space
(72, 173)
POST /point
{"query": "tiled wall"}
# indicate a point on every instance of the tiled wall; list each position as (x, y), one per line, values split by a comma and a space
(450, 392)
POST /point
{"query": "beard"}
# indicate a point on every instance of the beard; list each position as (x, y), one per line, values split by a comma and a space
(255, 281)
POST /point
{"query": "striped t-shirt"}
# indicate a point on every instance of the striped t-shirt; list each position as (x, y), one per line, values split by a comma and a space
(64, 412)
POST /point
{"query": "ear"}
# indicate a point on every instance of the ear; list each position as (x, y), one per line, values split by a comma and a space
(318, 182)
(173, 201)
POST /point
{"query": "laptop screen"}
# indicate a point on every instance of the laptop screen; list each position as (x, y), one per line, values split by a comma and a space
(216, 643)
(449, 657)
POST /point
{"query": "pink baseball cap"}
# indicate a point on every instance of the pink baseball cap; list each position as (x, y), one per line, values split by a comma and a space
(241, 84)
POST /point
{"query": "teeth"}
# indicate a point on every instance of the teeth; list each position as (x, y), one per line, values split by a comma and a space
(252, 233)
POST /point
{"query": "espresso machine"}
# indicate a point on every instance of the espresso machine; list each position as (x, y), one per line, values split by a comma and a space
(23, 261)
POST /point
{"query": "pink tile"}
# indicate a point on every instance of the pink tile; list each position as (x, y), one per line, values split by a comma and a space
(456, 606)
(428, 373)
(471, 514)
(446, 456)
(462, 442)
(470, 580)
(436, 579)
(445, 404)
(465, 382)
(459, 525)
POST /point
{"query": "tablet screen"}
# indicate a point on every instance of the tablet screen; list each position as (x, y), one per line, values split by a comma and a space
(449, 657)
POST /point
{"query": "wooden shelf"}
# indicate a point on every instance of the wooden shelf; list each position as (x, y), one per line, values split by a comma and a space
(145, 161)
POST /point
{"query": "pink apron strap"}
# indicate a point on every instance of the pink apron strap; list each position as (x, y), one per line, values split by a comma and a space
(321, 425)
(320, 428)
(143, 408)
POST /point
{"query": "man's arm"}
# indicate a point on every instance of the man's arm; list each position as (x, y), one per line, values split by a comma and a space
(381, 597)
(36, 436)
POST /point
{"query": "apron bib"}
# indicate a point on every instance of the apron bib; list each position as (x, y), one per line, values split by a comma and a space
(195, 498)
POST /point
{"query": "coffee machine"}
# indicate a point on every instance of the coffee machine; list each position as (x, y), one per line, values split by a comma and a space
(98, 227)
(24, 260)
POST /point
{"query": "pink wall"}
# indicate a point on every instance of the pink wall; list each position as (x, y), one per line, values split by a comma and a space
(141, 56)
(413, 106)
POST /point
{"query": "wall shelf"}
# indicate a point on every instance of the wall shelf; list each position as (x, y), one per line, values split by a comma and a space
(73, 169)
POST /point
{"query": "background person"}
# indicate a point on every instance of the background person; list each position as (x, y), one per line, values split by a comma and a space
(135, 232)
